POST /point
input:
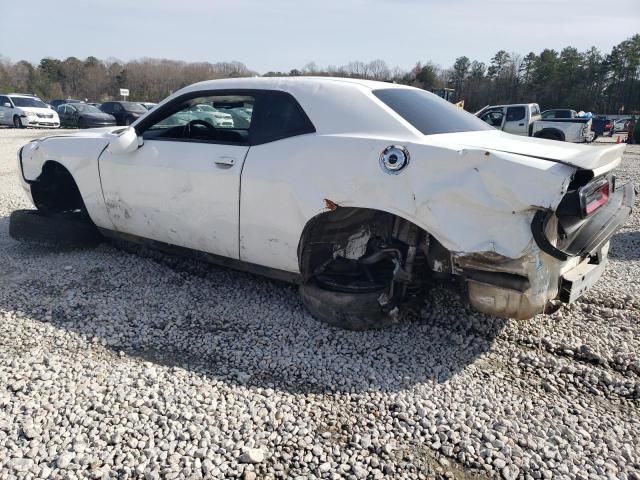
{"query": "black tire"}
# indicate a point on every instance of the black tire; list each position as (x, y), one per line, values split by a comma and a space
(127, 121)
(550, 136)
(351, 311)
(60, 230)
(17, 123)
(81, 123)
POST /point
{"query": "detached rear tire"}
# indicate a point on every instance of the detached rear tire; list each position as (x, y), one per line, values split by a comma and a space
(59, 230)
(350, 311)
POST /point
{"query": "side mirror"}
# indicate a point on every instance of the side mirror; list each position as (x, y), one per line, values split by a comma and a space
(126, 141)
(7, 104)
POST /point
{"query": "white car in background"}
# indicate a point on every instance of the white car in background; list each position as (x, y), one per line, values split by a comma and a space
(214, 116)
(363, 193)
(21, 111)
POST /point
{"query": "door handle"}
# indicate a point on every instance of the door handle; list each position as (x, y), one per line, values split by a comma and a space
(521, 124)
(225, 161)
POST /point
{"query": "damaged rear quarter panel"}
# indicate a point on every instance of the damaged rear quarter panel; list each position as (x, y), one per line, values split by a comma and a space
(469, 199)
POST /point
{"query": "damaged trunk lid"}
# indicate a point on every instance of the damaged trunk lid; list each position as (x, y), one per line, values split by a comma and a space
(599, 159)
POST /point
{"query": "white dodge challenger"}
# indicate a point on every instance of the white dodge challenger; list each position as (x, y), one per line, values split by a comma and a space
(364, 193)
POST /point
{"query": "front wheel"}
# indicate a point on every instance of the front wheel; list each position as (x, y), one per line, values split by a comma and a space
(81, 123)
(127, 121)
(17, 122)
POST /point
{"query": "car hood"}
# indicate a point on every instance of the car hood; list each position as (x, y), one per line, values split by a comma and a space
(587, 157)
(101, 133)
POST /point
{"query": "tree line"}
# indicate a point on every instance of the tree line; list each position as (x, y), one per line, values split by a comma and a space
(590, 80)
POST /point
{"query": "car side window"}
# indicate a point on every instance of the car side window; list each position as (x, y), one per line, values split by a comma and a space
(117, 108)
(515, 114)
(209, 119)
(4, 100)
(279, 116)
(493, 117)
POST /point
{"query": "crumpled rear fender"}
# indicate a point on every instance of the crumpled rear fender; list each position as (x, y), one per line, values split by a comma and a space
(479, 201)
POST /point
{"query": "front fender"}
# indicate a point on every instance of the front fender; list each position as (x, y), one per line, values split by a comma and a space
(79, 155)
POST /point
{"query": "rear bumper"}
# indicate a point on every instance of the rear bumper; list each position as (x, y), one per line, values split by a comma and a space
(521, 288)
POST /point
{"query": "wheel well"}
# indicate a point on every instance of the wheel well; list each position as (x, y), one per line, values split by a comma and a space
(55, 190)
(550, 133)
(363, 236)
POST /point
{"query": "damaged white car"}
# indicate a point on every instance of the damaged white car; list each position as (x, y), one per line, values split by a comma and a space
(363, 193)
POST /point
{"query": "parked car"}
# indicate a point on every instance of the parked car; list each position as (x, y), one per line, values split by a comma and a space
(601, 125)
(621, 125)
(525, 119)
(213, 116)
(125, 113)
(23, 111)
(148, 105)
(82, 115)
(57, 102)
(364, 193)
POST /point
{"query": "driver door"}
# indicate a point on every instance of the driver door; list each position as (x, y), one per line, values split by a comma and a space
(182, 186)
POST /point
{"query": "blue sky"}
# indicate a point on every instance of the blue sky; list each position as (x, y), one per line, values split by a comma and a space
(285, 34)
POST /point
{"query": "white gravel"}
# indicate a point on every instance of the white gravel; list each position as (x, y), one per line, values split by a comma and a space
(118, 366)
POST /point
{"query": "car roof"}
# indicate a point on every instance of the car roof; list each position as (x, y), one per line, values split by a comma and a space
(334, 105)
(511, 105)
(277, 83)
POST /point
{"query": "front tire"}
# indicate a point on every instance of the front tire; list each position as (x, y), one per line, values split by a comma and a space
(17, 122)
(58, 230)
(82, 123)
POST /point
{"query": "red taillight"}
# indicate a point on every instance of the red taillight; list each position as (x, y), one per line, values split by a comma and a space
(594, 196)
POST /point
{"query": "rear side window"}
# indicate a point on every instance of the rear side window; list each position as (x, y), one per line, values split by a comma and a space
(278, 115)
(515, 113)
(429, 113)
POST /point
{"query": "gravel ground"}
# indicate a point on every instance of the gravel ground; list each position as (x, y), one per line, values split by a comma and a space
(117, 366)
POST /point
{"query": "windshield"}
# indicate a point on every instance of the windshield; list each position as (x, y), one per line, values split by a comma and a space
(84, 108)
(429, 113)
(28, 102)
(133, 107)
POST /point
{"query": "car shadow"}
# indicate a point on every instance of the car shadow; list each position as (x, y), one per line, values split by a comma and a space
(625, 245)
(232, 326)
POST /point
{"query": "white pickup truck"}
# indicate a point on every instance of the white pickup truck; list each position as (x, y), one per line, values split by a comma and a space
(525, 119)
